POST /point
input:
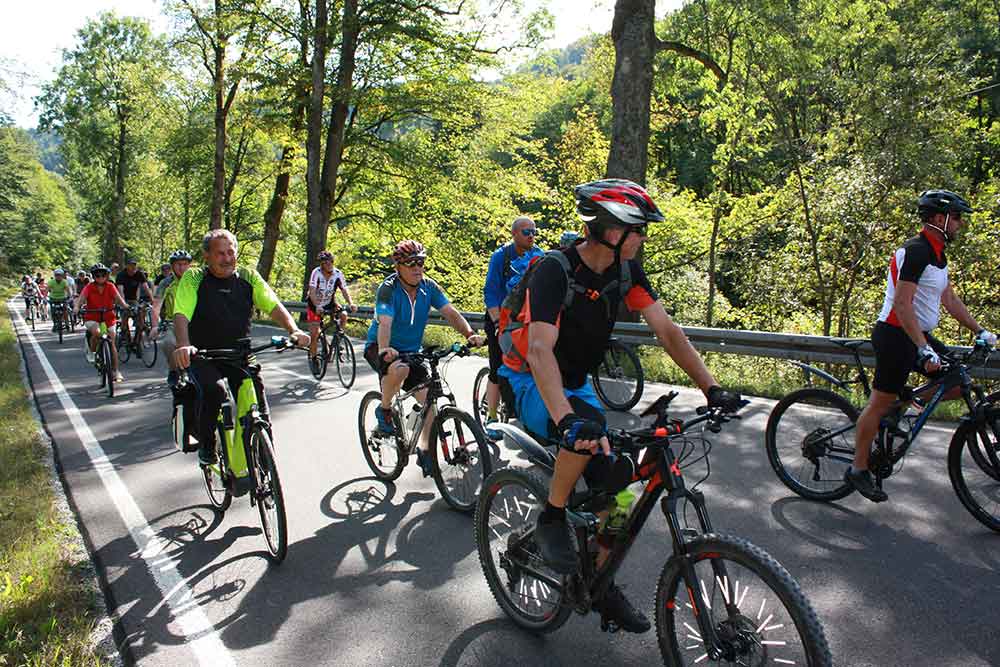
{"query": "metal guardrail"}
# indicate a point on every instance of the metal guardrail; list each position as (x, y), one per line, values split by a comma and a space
(796, 347)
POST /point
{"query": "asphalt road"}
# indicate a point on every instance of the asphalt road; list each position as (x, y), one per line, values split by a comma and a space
(381, 574)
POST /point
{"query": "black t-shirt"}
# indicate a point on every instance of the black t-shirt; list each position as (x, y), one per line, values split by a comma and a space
(159, 279)
(584, 327)
(130, 284)
(223, 312)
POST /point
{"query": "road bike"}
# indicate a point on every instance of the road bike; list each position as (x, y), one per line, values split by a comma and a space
(142, 343)
(810, 434)
(718, 598)
(618, 382)
(244, 446)
(337, 347)
(458, 447)
(103, 359)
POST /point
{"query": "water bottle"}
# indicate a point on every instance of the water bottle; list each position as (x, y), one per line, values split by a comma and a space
(411, 419)
(621, 506)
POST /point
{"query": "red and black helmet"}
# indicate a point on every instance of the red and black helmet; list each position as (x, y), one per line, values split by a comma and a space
(618, 201)
(408, 249)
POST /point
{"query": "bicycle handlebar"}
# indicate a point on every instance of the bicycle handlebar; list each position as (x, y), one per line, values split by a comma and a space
(280, 343)
(434, 355)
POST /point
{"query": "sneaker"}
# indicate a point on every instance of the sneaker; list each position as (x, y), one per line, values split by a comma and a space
(119, 377)
(864, 483)
(207, 456)
(426, 462)
(384, 422)
(91, 357)
(617, 613)
(494, 435)
(553, 540)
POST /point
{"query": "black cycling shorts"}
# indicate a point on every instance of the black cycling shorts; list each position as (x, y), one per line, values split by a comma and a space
(896, 356)
(418, 372)
(493, 345)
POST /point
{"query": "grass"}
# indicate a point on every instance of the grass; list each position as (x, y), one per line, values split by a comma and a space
(46, 609)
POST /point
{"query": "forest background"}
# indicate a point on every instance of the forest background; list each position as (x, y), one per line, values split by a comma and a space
(784, 140)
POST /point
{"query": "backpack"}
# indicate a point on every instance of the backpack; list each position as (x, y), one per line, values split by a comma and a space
(514, 320)
(517, 268)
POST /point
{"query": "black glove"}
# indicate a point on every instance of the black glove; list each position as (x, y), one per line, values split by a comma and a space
(574, 427)
(729, 401)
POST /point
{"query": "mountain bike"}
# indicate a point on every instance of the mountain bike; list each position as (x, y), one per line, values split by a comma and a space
(245, 447)
(458, 446)
(61, 321)
(103, 361)
(141, 343)
(337, 347)
(30, 314)
(718, 598)
(810, 440)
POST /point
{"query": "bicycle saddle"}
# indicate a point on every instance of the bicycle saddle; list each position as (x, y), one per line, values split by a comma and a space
(850, 343)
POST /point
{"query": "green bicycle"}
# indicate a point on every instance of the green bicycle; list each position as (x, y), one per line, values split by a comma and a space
(244, 446)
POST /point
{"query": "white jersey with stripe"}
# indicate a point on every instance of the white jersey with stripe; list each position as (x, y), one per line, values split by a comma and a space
(325, 287)
(921, 260)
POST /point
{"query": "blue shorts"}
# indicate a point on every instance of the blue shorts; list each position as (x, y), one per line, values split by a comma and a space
(531, 410)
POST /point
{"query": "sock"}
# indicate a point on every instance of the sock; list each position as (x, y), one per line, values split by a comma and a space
(492, 414)
(552, 513)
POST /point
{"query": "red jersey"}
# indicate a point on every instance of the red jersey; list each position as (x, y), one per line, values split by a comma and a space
(94, 298)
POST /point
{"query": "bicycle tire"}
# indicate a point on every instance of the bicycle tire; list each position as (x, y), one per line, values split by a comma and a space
(613, 379)
(221, 497)
(837, 409)
(480, 404)
(344, 351)
(109, 373)
(270, 498)
(59, 328)
(454, 452)
(124, 346)
(318, 364)
(511, 591)
(678, 642)
(148, 348)
(30, 315)
(374, 450)
(967, 438)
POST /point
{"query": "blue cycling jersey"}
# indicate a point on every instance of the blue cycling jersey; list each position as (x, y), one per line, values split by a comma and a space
(409, 317)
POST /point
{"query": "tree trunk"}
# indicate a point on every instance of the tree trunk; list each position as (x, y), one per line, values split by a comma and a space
(219, 180)
(712, 245)
(314, 129)
(272, 218)
(631, 88)
(114, 247)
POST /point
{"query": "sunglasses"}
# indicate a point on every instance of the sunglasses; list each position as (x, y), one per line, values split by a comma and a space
(529, 231)
(416, 261)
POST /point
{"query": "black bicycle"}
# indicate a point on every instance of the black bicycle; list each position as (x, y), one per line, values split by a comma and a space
(337, 347)
(141, 343)
(62, 320)
(458, 446)
(103, 360)
(30, 311)
(810, 434)
(719, 598)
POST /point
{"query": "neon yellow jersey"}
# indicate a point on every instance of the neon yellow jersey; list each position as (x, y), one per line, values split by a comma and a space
(219, 310)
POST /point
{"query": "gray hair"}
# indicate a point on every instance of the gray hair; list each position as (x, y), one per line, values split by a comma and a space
(519, 219)
(206, 241)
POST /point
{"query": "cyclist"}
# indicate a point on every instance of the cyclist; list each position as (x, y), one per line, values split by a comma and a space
(213, 307)
(402, 304)
(100, 294)
(132, 282)
(82, 280)
(506, 262)
(164, 274)
(29, 292)
(60, 292)
(324, 281)
(43, 296)
(560, 344)
(163, 306)
(917, 285)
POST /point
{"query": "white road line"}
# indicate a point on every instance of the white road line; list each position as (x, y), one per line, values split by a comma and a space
(200, 634)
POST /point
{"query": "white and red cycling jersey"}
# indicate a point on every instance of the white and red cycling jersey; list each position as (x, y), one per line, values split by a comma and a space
(921, 260)
(324, 286)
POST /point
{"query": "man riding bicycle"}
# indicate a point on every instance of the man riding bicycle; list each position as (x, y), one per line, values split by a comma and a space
(324, 281)
(917, 285)
(163, 308)
(131, 282)
(60, 293)
(213, 307)
(100, 294)
(562, 331)
(29, 292)
(402, 304)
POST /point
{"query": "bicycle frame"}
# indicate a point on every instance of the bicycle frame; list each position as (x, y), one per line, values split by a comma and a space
(435, 391)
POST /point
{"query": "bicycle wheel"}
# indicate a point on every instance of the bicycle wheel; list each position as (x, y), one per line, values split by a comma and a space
(972, 466)
(318, 364)
(480, 402)
(269, 498)
(347, 366)
(147, 348)
(60, 325)
(759, 613)
(528, 591)
(384, 453)
(106, 365)
(461, 458)
(619, 380)
(29, 314)
(806, 458)
(123, 345)
(219, 493)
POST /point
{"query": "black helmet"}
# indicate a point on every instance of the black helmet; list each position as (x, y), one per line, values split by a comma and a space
(99, 268)
(178, 255)
(627, 203)
(942, 201)
(324, 255)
